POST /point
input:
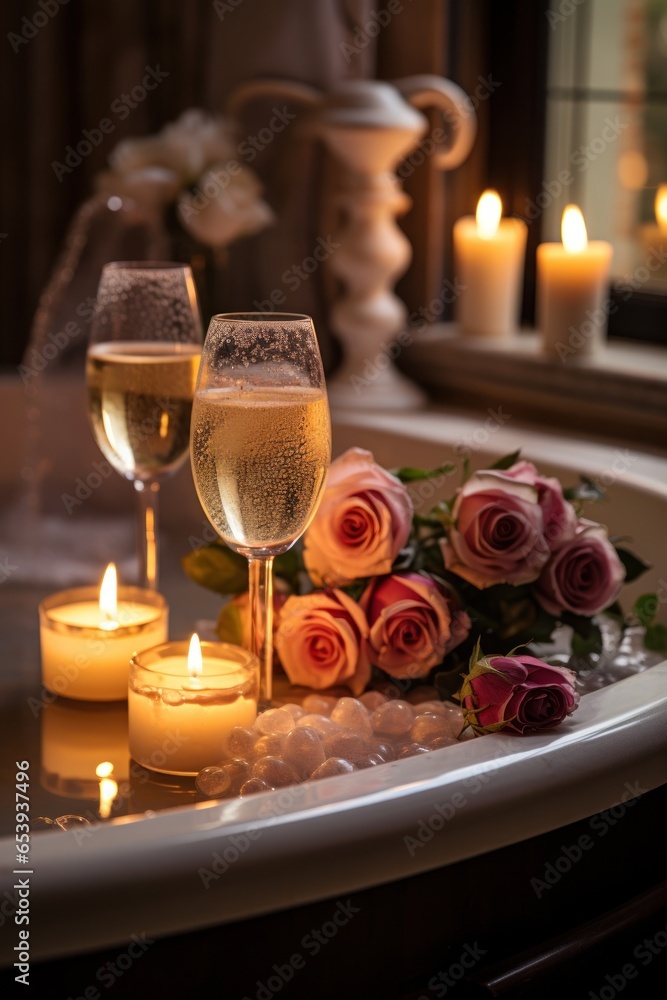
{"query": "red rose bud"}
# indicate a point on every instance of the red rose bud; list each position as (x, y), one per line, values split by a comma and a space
(516, 694)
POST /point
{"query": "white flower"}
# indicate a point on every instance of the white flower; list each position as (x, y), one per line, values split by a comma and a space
(186, 147)
(225, 205)
(196, 151)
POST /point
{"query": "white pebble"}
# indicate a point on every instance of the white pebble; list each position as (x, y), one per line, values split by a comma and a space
(351, 714)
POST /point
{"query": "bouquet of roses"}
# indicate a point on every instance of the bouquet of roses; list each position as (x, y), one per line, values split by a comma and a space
(376, 584)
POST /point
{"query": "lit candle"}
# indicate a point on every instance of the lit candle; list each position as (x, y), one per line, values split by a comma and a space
(661, 209)
(572, 283)
(653, 236)
(183, 701)
(489, 255)
(87, 640)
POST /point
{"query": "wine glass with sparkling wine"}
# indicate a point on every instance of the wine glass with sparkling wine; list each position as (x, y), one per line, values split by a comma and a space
(142, 363)
(260, 447)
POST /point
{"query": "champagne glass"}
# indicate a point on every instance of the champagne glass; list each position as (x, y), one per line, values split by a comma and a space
(260, 447)
(141, 368)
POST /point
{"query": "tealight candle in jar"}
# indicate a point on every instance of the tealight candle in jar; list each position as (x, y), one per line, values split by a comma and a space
(183, 702)
(87, 639)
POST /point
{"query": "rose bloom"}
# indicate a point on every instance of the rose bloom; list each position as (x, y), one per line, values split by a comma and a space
(321, 641)
(584, 576)
(361, 525)
(412, 624)
(559, 516)
(517, 694)
(498, 531)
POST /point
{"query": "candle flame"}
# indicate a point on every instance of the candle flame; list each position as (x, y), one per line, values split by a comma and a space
(109, 599)
(108, 788)
(661, 207)
(164, 424)
(573, 230)
(195, 664)
(489, 210)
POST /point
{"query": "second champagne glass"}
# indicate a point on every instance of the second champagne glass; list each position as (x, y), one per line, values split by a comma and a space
(260, 447)
(142, 363)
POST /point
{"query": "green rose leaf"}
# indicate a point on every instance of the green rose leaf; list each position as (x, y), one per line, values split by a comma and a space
(507, 461)
(230, 624)
(217, 568)
(587, 637)
(656, 638)
(634, 565)
(645, 608)
(408, 474)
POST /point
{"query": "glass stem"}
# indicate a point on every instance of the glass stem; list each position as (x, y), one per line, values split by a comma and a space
(147, 494)
(260, 590)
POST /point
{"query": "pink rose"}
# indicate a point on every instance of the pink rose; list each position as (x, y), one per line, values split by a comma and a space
(498, 531)
(517, 694)
(362, 523)
(412, 625)
(584, 575)
(321, 641)
(559, 517)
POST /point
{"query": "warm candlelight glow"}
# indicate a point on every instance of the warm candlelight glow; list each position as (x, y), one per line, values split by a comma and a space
(573, 230)
(489, 210)
(195, 665)
(108, 599)
(661, 208)
(108, 788)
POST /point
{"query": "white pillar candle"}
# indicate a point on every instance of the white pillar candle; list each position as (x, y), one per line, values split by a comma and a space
(572, 290)
(489, 257)
(87, 639)
(653, 238)
(183, 702)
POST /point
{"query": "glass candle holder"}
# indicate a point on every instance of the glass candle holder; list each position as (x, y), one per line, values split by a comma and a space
(87, 658)
(179, 723)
